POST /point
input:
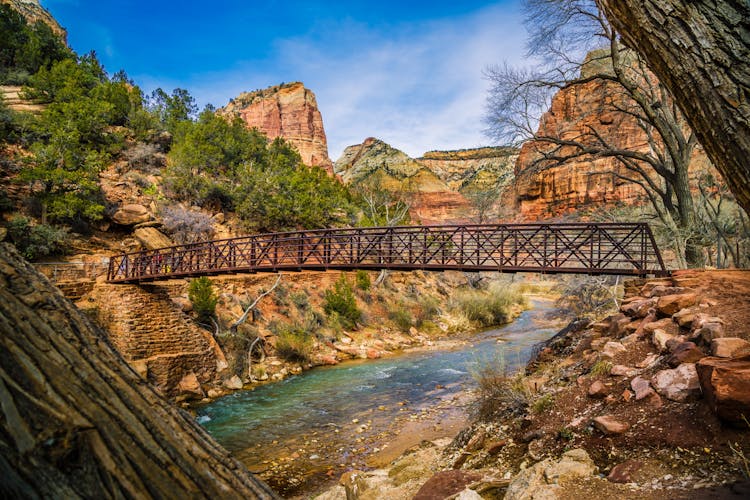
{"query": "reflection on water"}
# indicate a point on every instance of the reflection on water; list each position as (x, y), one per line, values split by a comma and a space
(334, 405)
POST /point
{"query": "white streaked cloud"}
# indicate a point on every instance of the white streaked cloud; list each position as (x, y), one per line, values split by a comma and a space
(418, 86)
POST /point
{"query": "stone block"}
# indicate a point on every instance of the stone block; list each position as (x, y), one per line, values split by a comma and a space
(726, 386)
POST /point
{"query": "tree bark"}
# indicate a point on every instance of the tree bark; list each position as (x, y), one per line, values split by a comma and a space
(700, 50)
(77, 422)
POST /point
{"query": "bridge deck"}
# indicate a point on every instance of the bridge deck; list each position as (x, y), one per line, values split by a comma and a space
(626, 249)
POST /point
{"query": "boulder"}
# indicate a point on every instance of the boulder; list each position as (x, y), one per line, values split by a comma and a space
(686, 352)
(189, 386)
(659, 339)
(700, 319)
(468, 494)
(131, 214)
(648, 361)
(639, 308)
(609, 425)
(680, 384)
(623, 473)
(641, 387)
(622, 371)
(630, 339)
(446, 483)
(152, 238)
(541, 480)
(598, 390)
(685, 317)
(354, 483)
(667, 305)
(574, 463)
(726, 385)
(708, 332)
(662, 324)
(675, 342)
(612, 349)
(234, 383)
(730, 347)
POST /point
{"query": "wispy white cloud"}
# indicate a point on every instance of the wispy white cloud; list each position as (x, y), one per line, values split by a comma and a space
(418, 87)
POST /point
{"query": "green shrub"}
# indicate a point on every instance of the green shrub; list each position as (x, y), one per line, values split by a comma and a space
(363, 280)
(202, 296)
(300, 300)
(491, 307)
(600, 368)
(542, 404)
(428, 308)
(402, 317)
(293, 342)
(340, 300)
(35, 241)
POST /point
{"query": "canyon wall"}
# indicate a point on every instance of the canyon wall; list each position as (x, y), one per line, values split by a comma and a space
(289, 111)
(585, 182)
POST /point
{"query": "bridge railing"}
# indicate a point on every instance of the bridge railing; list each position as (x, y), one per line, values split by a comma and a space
(627, 248)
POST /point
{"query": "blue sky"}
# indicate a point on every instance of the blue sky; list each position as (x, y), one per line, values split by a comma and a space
(409, 73)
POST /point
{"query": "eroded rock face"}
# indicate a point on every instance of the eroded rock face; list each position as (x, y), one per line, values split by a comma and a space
(378, 163)
(289, 111)
(33, 11)
(479, 168)
(582, 181)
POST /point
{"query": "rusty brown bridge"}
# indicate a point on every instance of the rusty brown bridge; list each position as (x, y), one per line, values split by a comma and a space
(609, 248)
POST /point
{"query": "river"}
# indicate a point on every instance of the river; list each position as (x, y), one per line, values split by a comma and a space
(299, 433)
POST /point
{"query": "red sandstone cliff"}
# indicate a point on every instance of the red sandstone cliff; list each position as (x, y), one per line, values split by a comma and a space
(582, 182)
(289, 111)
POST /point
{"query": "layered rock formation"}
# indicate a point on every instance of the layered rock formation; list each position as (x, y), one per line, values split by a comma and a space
(584, 181)
(155, 337)
(468, 169)
(32, 11)
(289, 111)
(375, 161)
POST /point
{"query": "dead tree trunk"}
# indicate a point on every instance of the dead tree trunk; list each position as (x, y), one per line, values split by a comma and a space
(700, 50)
(76, 420)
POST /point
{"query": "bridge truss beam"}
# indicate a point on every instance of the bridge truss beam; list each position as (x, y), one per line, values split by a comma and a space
(612, 248)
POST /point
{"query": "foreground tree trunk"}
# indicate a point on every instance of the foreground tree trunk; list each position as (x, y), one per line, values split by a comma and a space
(76, 421)
(700, 50)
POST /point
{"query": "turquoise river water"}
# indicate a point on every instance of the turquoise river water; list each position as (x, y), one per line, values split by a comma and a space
(311, 427)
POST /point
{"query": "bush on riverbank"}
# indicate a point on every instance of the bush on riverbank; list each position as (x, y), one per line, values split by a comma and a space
(340, 300)
(501, 393)
(293, 342)
(495, 306)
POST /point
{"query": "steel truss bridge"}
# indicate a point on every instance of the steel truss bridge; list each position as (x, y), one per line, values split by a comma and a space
(605, 248)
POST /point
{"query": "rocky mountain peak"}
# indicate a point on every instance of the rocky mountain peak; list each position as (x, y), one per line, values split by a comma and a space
(290, 111)
(33, 11)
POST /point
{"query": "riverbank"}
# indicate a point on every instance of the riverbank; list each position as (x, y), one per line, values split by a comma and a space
(304, 432)
(618, 409)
